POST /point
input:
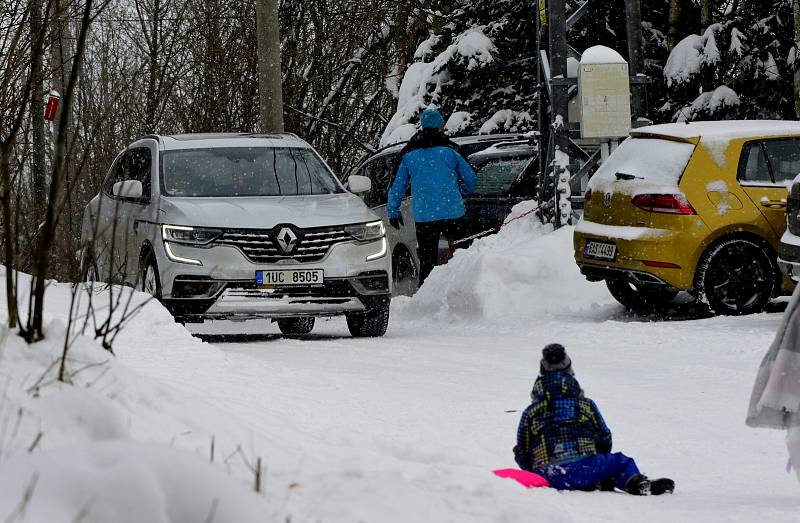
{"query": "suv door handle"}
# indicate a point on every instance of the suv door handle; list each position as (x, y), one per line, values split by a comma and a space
(774, 204)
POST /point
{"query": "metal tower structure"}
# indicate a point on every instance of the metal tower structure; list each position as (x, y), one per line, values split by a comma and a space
(565, 161)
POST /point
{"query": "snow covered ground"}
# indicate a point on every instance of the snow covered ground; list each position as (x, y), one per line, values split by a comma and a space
(408, 427)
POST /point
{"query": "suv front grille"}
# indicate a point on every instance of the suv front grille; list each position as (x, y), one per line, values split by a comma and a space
(262, 246)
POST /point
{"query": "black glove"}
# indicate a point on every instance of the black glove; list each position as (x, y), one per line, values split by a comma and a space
(396, 222)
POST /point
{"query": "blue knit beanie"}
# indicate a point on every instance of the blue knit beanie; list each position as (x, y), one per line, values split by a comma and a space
(431, 119)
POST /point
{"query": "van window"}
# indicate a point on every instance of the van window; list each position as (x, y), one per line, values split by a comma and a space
(134, 164)
(754, 166)
(381, 171)
(373, 197)
(784, 158)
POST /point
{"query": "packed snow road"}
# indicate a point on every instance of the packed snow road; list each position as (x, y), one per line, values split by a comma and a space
(409, 426)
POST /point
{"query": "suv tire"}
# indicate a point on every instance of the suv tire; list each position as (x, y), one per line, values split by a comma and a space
(89, 273)
(296, 325)
(404, 275)
(735, 277)
(640, 298)
(370, 324)
(150, 281)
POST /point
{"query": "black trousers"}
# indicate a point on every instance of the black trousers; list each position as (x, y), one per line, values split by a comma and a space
(428, 234)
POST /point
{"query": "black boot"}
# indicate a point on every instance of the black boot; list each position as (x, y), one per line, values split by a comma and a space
(639, 485)
(607, 485)
(661, 486)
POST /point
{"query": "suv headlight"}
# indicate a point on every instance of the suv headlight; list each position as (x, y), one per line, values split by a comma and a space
(366, 232)
(189, 235)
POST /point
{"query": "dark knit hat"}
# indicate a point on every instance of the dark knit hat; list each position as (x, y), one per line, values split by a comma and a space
(554, 358)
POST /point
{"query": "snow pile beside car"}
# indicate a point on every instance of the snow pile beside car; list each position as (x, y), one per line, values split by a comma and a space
(112, 445)
(523, 272)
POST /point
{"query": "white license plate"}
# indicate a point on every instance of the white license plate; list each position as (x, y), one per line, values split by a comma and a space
(604, 251)
(290, 277)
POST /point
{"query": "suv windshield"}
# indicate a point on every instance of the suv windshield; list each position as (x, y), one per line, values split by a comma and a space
(246, 171)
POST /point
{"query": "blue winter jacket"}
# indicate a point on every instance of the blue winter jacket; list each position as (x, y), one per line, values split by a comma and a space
(560, 425)
(439, 178)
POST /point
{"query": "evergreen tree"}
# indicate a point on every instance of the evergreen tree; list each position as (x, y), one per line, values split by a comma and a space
(740, 68)
(480, 71)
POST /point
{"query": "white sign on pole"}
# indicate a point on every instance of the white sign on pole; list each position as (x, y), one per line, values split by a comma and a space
(605, 94)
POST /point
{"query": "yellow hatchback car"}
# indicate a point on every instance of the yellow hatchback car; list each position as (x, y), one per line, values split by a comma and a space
(697, 207)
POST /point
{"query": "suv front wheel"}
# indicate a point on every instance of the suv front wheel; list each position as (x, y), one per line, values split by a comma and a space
(150, 280)
(296, 325)
(369, 324)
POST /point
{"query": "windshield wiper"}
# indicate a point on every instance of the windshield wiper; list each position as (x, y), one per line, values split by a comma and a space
(624, 176)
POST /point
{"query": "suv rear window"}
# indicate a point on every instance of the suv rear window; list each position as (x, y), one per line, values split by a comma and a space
(497, 176)
(640, 164)
(245, 171)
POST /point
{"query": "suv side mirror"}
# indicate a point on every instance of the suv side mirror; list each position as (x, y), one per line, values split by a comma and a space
(131, 189)
(359, 184)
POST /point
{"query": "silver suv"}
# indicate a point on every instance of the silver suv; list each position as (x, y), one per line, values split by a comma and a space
(240, 226)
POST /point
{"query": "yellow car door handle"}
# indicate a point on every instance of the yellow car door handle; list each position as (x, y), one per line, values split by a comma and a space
(774, 204)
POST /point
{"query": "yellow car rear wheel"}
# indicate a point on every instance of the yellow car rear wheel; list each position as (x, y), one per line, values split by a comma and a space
(640, 298)
(735, 277)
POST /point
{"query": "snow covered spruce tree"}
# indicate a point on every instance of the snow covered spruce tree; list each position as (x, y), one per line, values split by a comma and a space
(479, 70)
(741, 67)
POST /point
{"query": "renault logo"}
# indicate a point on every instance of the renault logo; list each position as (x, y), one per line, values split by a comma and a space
(287, 239)
(607, 199)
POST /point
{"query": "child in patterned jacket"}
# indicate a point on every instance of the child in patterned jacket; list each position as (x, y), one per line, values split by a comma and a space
(562, 436)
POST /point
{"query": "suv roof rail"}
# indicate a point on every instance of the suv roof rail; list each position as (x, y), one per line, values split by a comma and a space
(151, 136)
(509, 144)
(271, 135)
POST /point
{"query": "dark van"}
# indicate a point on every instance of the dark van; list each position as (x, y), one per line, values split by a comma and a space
(506, 166)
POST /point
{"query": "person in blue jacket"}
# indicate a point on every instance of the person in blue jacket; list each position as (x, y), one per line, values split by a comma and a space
(439, 177)
(562, 436)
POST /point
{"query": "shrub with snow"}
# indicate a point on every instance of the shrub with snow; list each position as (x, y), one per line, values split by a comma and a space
(741, 68)
(477, 71)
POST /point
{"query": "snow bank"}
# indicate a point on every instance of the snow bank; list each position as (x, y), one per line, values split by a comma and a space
(110, 444)
(525, 271)
(124, 482)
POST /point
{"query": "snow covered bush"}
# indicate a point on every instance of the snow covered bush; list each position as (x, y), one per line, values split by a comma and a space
(741, 68)
(107, 443)
(480, 71)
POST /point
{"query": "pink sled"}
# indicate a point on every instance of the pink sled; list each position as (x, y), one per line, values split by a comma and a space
(523, 477)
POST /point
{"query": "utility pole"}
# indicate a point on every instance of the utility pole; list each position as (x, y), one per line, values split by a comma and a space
(270, 88)
(559, 106)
